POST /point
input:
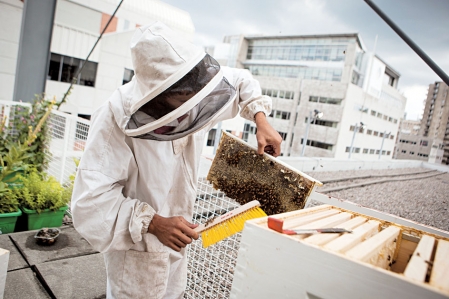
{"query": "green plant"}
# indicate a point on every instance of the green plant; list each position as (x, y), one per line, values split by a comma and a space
(19, 132)
(11, 165)
(8, 201)
(41, 192)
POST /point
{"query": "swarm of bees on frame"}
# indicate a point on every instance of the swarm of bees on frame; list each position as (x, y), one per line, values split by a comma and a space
(243, 175)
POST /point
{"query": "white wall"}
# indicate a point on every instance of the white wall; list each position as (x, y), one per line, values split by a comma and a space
(10, 24)
(77, 16)
(356, 99)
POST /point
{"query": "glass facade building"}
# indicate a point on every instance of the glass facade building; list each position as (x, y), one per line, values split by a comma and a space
(300, 57)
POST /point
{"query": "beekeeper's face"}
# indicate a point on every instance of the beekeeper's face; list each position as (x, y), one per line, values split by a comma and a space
(201, 93)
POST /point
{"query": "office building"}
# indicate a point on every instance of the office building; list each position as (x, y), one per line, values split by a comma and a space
(432, 142)
(77, 26)
(332, 75)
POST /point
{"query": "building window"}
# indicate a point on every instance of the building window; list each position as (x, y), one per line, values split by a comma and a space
(313, 73)
(423, 143)
(388, 153)
(375, 133)
(404, 151)
(282, 114)
(127, 76)
(412, 153)
(369, 132)
(371, 151)
(365, 151)
(355, 78)
(283, 135)
(391, 136)
(373, 113)
(325, 100)
(379, 115)
(64, 68)
(347, 149)
(282, 94)
(318, 144)
(246, 130)
(381, 134)
(388, 80)
(211, 137)
(324, 123)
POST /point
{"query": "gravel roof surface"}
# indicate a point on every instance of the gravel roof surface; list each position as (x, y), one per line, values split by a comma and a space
(425, 200)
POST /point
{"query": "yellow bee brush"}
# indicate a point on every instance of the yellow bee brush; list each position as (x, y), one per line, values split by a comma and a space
(221, 227)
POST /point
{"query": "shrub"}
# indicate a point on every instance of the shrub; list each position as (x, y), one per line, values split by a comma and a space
(41, 192)
(8, 201)
(18, 131)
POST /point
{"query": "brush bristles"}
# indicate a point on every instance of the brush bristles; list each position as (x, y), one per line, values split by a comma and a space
(229, 227)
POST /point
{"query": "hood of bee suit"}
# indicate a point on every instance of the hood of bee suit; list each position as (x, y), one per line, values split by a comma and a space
(174, 80)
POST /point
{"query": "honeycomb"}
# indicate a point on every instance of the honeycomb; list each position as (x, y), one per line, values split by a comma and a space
(242, 174)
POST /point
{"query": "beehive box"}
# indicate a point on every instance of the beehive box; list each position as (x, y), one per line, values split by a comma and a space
(383, 257)
(243, 175)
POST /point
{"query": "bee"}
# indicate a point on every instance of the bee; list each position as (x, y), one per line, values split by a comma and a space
(209, 221)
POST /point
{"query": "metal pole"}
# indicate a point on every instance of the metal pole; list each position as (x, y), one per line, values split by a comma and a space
(304, 142)
(411, 43)
(382, 144)
(356, 128)
(33, 56)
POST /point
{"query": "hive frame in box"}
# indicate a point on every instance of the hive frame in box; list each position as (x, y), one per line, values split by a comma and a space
(326, 199)
(273, 265)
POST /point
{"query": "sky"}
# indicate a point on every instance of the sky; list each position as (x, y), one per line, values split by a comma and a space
(425, 21)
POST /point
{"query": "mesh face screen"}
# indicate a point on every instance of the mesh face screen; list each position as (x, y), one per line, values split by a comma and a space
(179, 94)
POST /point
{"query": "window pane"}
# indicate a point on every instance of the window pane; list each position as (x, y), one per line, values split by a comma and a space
(70, 66)
(128, 75)
(88, 74)
(53, 70)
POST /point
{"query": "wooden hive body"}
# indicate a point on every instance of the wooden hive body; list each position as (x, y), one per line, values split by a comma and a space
(379, 259)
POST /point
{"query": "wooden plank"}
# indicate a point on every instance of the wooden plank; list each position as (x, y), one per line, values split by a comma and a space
(419, 263)
(347, 205)
(295, 222)
(321, 239)
(407, 247)
(440, 271)
(270, 265)
(324, 223)
(379, 249)
(292, 215)
(359, 234)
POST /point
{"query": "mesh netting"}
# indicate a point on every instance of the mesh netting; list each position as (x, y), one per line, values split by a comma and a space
(211, 270)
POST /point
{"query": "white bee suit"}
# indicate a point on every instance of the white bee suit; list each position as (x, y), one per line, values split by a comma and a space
(128, 173)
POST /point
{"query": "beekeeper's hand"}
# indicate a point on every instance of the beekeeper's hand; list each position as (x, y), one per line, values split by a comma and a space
(268, 139)
(174, 232)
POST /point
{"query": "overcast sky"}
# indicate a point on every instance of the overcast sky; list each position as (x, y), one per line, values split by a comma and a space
(426, 22)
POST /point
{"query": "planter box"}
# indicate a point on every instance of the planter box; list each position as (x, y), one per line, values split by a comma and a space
(46, 218)
(8, 221)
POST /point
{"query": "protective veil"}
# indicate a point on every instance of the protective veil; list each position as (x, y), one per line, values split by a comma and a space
(142, 157)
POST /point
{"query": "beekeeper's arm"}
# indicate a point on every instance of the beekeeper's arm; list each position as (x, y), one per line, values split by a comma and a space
(255, 107)
(101, 213)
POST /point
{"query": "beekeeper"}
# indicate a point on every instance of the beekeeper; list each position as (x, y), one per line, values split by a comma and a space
(136, 184)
